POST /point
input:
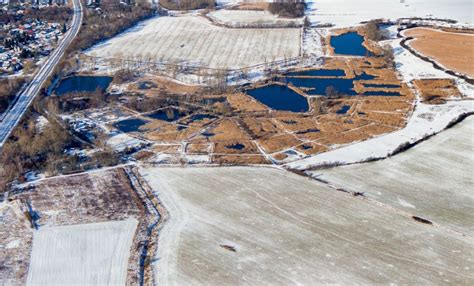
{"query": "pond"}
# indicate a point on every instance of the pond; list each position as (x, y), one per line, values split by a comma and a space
(83, 84)
(319, 85)
(280, 97)
(167, 114)
(146, 85)
(237, 146)
(343, 109)
(199, 117)
(349, 44)
(374, 85)
(317, 72)
(130, 125)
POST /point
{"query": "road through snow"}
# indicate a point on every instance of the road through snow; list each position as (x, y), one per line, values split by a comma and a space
(12, 116)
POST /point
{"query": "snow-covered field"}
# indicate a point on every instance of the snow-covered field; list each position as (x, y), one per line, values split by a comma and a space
(193, 40)
(264, 226)
(85, 254)
(251, 18)
(433, 180)
(343, 13)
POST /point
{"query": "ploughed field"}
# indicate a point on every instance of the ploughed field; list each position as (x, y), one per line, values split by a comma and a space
(455, 51)
(272, 227)
(192, 40)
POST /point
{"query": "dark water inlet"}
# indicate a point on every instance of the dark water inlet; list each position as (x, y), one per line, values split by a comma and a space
(130, 125)
(374, 85)
(343, 109)
(83, 84)
(167, 114)
(280, 97)
(349, 44)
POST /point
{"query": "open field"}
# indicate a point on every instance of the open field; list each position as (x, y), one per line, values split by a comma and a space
(84, 254)
(193, 40)
(84, 204)
(252, 19)
(454, 51)
(271, 227)
(433, 180)
(344, 13)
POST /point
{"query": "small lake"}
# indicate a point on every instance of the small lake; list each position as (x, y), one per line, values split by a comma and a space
(349, 44)
(167, 114)
(130, 125)
(280, 97)
(83, 84)
(318, 72)
(319, 85)
(373, 85)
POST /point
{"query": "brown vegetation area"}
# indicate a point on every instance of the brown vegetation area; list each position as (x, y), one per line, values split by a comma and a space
(436, 91)
(455, 51)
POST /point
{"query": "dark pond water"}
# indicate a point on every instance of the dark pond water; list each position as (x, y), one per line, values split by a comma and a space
(318, 72)
(343, 109)
(208, 134)
(291, 122)
(130, 125)
(306, 147)
(167, 114)
(83, 84)
(307, 131)
(373, 85)
(280, 97)
(199, 117)
(319, 85)
(349, 44)
(382, 93)
(237, 146)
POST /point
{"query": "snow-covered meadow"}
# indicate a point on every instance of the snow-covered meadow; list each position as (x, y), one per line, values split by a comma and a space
(85, 254)
(194, 41)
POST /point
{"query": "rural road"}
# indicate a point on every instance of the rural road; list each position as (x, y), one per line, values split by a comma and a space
(12, 116)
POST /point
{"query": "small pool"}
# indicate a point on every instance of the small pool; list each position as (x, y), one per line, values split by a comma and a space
(320, 85)
(349, 44)
(83, 84)
(280, 97)
(311, 130)
(199, 117)
(130, 125)
(166, 114)
(317, 72)
(146, 85)
(237, 146)
(343, 109)
(374, 85)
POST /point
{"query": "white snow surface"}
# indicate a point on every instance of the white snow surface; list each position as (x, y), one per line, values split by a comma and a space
(84, 254)
(344, 13)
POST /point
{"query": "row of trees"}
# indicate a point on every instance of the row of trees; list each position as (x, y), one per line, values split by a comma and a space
(188, 4)
(287, 8)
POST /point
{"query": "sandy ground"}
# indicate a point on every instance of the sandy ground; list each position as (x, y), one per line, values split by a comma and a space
(265, 226)
(195, 41)
(435, 44)
(85, 254)
(433, 180)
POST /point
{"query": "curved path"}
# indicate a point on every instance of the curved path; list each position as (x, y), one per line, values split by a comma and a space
(12, 116)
